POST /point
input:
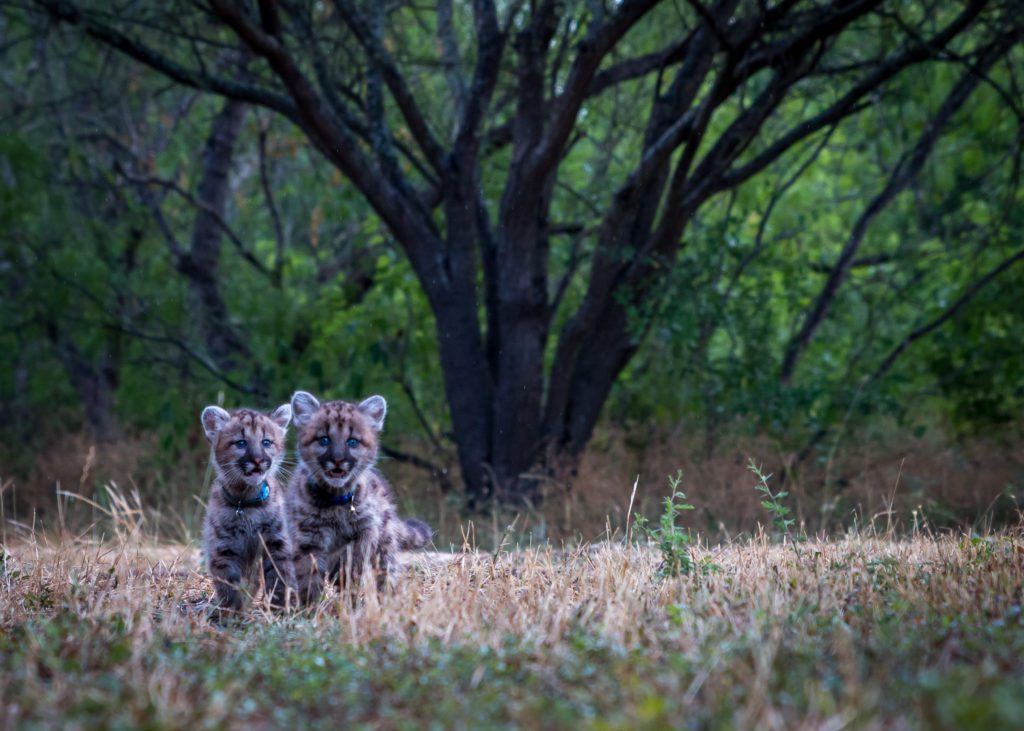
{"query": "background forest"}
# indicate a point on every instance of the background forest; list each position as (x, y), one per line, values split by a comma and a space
(569, 242)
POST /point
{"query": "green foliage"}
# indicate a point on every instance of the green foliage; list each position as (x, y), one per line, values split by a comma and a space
(673, 541)
(91, 282)
(771, 501)
(752, 266)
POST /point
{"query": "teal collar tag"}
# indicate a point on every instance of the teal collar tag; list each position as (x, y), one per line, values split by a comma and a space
(255, 502)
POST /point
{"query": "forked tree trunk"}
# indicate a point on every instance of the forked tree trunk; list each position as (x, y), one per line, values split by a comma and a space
(509, 414)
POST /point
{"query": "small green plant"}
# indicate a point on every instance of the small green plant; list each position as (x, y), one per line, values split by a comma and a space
(673, 541)
(770, 501)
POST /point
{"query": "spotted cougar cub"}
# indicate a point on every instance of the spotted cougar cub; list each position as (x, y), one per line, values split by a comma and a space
(246, 530)
(342, 510)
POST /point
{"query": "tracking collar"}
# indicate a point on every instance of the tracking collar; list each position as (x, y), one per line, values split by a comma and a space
(326, 499)
(255, 502)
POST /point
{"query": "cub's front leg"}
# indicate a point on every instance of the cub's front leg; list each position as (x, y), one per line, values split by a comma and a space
(370, 555)
(278, 568)
(226, 569)
(308, 565)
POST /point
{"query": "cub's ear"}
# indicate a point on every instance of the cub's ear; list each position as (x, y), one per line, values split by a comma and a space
(304, 405)
(282, 415)
(213, 420)
(374, 409)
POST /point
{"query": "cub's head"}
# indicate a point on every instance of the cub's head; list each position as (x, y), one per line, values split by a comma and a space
(337, 440)
(247, 445)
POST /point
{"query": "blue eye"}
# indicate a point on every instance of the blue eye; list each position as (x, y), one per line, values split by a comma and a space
(324, 441)
(266, 443)
(240, 444)
(352, 442)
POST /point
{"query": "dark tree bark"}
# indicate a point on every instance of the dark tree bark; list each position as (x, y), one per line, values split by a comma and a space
(200, 265)
(95, 380)
(200, 261)
(484, 265)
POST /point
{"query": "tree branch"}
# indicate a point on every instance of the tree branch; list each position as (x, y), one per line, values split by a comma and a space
(399, 208)
(946, 314)
(403, 97)
(450, 54)
(864, 261)
(268, 17)
(634, 68)
(918, 333)
(851, 102)
(275, 217)
(490, 48)
(203, 207)
(589, 55)
(148, 56)
(712, 23)
(441, 474)
(905, 172)
(190, 352)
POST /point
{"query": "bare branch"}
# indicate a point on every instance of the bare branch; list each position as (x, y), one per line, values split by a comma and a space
(199, 205)
(441, 474)
(399, 207)
(864, 261)
(490, 48)
(450, 54)
(969, 294)
(188, 350)
(852, 101)
(901, 177)
(275, 217)
(777, 194)
(268, 17)
(150, 57)
(713, 23)
(380, 57)
(634, 68)
(589, 55)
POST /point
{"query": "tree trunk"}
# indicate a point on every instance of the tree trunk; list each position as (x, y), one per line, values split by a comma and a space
(506, 416)
(200, 265)
(467, 388)
(95, 380)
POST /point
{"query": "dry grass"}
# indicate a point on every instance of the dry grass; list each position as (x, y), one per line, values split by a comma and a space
(856, 480)
(863, 631)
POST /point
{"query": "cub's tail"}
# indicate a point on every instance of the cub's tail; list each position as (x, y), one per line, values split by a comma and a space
(413, 533)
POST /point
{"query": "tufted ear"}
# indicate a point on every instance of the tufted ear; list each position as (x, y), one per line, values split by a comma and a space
(213, 420)
(282, 415)
(304, 405)
(374, 409)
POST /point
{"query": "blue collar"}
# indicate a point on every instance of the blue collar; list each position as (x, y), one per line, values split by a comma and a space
(255, 502)
(324, 498)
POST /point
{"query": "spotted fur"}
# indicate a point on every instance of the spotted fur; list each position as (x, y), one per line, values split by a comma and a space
(241, 545)
(335, 538)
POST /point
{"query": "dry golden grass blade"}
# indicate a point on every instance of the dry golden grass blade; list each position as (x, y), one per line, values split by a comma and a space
(862, 630)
